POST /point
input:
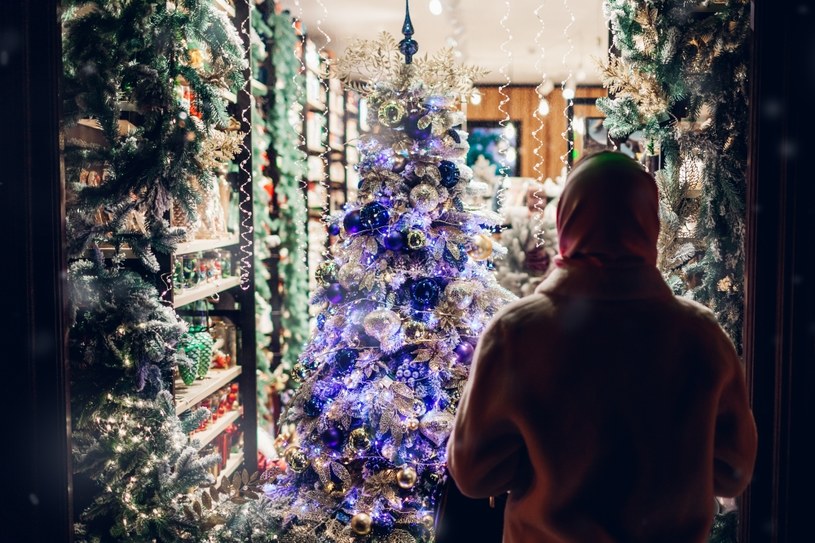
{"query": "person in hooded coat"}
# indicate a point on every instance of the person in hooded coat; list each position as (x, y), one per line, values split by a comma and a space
(611, 410)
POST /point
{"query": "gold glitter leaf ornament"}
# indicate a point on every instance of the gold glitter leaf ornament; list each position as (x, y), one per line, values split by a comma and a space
(370, 66)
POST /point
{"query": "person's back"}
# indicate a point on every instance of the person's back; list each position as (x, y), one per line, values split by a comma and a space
(612, 410)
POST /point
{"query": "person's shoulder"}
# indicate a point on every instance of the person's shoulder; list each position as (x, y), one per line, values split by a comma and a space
(535, 308)
(695, 311)
(702, 321)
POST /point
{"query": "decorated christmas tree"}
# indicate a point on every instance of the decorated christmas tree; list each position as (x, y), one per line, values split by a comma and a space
(402, 303)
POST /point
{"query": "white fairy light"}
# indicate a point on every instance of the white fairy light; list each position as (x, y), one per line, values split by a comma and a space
(245, 188)
(543, 107)
(502, 105)
(301, 99)
(545, 87)
(324, 127)
(566, 84)
(435, 7)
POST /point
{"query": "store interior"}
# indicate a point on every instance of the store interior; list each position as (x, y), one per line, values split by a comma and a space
(201, 240)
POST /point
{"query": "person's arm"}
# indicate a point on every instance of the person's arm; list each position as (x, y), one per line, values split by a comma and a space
(485, 447)
(736, 439)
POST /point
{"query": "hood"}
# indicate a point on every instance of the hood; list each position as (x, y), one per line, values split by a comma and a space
(608, 214)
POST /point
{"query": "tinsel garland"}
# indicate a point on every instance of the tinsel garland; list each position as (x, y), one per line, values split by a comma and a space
(682, 78)
(134, 469)
(290, 224)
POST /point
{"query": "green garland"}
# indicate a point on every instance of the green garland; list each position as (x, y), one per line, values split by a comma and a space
(130, 53)
(133, 465)
(291, 222)
(682, 79)
(263, 225)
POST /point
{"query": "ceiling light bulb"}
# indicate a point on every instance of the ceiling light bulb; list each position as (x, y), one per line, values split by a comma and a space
(435, 7)
(475, 97)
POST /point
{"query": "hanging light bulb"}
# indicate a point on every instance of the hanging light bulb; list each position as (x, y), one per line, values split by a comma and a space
(547, 87)
(568, 93)
(475, 97)
(435, 7)
(543, 107)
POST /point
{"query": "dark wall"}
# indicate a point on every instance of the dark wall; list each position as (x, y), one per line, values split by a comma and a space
(780, 323)
(35, 466)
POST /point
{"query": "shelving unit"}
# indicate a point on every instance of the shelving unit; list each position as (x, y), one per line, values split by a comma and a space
(207, 290)
(188, 396)
(235, 293)
(205, 437)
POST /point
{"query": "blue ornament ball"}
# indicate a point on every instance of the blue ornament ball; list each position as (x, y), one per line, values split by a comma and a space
(394, 240)
(313, 406)
(345, 358)
(425, 293)
(332, 438)
(334, 293)
(334, 228)
(449, 174)
(464, 352)
(352, 222)
(374, 216)
(412, 126)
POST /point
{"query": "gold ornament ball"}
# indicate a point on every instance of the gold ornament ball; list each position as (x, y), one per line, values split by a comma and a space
(481, 247)
(460, 293)
(416, 239)
(406, 477)
(361, 523)
(326, 272)
(414, 330)
(428, 521)
(424, 198)
(412, 424)
(381, 323)
(359, 439)
(350, 275)
(399, 163)
(391, 113)
(296, 459)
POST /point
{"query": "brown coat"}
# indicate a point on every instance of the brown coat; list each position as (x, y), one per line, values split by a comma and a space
(612, 410)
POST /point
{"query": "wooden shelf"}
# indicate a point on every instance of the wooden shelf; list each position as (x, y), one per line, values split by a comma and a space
(232, 464)
(224, 6)
(188, 396)
(201, 245)
(200, 292)
(204, 437)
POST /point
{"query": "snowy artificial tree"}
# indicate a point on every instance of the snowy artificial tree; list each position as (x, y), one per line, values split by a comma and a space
(402, 303)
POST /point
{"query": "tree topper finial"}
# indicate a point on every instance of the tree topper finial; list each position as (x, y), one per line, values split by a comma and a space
(408, 46)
